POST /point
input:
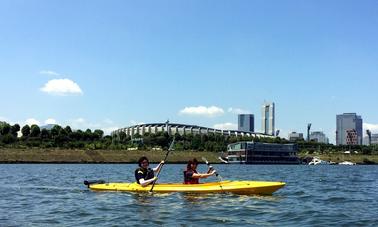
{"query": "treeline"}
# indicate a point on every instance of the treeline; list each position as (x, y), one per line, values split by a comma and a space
(64, 137)
(57, 136)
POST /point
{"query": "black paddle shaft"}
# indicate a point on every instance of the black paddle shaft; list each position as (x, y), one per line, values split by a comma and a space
(165, 159)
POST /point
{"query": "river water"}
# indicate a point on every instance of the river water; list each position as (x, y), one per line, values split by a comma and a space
(54, 195)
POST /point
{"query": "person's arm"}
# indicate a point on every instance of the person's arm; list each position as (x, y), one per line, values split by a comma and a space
(157, 168)
(144, 182)
(203, 175)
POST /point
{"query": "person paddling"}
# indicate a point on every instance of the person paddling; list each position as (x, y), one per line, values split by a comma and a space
(191, 176)
(145, 175)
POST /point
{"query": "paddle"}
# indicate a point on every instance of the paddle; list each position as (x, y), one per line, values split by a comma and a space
(166, 156)
(210, 167)
(216, 174)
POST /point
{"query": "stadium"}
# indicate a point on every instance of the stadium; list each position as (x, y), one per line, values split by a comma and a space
(182, 129)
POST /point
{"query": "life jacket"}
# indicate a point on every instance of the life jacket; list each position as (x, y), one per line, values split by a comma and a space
(188, 179)
(146, 174)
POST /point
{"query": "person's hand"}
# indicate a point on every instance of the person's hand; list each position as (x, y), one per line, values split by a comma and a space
(155, 178)
(213, 172)
(210, 169)
(162, 162)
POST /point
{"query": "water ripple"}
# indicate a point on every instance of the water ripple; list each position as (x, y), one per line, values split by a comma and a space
(53, 195)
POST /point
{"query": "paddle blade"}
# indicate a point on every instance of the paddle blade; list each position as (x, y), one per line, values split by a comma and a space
(205, 160)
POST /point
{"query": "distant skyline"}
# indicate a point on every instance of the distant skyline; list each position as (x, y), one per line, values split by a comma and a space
(112, 64)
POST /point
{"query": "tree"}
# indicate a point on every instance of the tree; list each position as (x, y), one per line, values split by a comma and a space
(88, 135)
(45, 133)
(68, 130)
(25, 131)
(8, 139)
(35, 131)
(55, 130)
(4, 128)
(98, 133)
(15, 129)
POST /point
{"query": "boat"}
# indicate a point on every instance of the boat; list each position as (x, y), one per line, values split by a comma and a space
(237, 187)
(318, 161)
(347, 163)
(250, 152)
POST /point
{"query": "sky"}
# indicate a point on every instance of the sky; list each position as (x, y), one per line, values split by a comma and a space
(112, 64)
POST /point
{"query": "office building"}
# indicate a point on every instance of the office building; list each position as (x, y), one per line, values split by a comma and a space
(268, 118)
(246, 122)
(319, 137)
(374, 139)
(294, 136)
(348, 129)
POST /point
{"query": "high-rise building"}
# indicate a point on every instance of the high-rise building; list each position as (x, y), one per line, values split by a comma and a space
(268, 117)
(348, 129)
(246, 122)
(294, 136)
(319, 137)
(373, 141)
(374, 138)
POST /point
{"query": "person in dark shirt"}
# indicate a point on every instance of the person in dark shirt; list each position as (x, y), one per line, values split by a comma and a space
(191, 176)
(145, 175)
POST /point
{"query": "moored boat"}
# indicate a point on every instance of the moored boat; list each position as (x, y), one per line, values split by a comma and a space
(318, 161)
(347, 163)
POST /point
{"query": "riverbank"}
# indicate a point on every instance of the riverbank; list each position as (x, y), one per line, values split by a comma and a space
(340, 157)
(97, 156)
(124, 156)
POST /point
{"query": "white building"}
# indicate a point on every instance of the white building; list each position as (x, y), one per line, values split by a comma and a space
(268, 118)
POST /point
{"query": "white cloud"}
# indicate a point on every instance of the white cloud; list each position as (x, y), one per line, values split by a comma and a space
(107, 125)
(109, 130)
(132, 122)
(49, 72)
(32, 121)
(79, 120)
(238, 111)
(210, 111)
(81, 123)
(226, 126)
(372, 127)
(50, 121)
(61, 87)
(3, 119)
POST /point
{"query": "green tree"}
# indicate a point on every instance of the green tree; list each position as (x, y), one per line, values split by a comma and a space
(45, 134)
(25, 131)
(35, 131)
(15, 129)
(8, 139)
(98, 133)
(55, 130)
(5, 128)
(68, 130)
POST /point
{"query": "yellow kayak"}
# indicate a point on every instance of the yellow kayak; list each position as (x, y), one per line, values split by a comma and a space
(238, 187)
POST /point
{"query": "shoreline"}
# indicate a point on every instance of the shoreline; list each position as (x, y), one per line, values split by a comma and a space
(79, 156)
(76, 156)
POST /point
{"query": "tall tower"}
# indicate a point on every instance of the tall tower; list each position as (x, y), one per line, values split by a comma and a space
(268, 118)
(246, 122)
(348, 122)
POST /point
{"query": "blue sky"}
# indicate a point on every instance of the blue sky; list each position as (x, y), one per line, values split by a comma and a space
(109, 64)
